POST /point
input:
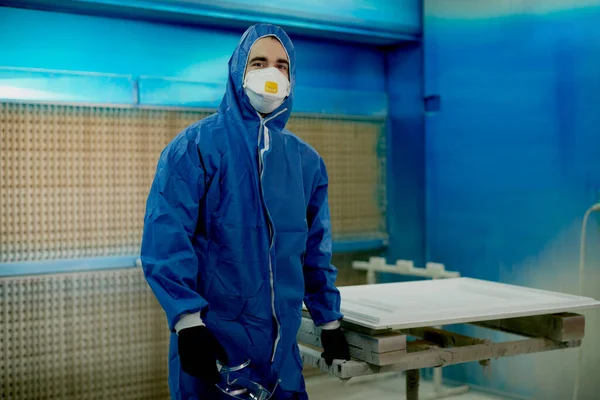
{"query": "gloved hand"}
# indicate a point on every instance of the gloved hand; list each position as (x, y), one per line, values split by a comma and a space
(335, 345)
(199, 351)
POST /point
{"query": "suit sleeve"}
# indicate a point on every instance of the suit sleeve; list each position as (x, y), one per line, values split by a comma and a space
(168, 258)
(321, 296)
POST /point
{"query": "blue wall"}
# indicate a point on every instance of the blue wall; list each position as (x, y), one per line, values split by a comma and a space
(56, 41)
(369, 21)
(513, 162)
(39, 39)
(406, 156)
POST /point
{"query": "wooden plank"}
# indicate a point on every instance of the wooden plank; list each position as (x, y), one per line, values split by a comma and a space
(349, 326)
(355, 352)
(309, 333)
(420, 346)
(560, 327)
(384, 342)
(312, 357)
(387, 358)
(382, 349)
(379, 359)
(436, 357)
(443, 338)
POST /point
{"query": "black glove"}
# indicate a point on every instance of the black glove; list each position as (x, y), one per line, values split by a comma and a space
(335, 345)
(198, 352)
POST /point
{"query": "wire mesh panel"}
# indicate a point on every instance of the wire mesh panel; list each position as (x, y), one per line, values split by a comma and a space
(93, 335)
(42, 181)
(353, 152)
(74, 179)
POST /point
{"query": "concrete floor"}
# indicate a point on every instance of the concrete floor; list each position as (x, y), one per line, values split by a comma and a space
(389, 387)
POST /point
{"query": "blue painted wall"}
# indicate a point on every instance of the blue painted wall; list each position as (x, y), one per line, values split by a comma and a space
(374, 21)
(406, 156)
(57, 41)
(40, 39)
(513, 162)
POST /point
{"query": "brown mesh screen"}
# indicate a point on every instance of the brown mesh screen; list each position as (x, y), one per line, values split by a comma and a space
(93, 335)
(352, 152)
(74, 179)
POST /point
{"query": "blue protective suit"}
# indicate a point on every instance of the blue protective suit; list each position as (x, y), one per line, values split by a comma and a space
(237, 226)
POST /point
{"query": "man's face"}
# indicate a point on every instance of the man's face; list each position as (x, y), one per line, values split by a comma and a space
(268, 52)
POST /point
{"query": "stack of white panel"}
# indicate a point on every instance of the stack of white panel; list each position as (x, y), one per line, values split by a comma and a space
(450, 301)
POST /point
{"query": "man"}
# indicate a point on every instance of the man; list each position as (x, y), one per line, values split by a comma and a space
(237, 235)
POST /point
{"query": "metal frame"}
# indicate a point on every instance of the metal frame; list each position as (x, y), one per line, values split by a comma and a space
(128, 261)
(89, 88)
(57, 86)
(67, 265)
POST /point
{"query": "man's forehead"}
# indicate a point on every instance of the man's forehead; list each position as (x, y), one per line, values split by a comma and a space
(269, 46)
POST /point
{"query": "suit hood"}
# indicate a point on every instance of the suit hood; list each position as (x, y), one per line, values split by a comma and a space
(236, 103)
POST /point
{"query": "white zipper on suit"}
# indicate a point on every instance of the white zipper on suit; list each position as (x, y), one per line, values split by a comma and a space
(264, 131)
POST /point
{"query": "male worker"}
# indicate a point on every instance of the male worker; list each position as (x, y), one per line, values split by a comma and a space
(237, 235)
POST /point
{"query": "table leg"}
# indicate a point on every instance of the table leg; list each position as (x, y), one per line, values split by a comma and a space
(412, 384)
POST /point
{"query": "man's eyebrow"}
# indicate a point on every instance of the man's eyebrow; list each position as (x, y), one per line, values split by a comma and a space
(264, 59)
(259, 58)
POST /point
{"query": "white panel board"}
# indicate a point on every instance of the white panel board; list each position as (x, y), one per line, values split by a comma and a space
(450, 301)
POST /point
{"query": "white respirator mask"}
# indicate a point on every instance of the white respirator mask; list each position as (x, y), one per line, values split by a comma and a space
(266, 88)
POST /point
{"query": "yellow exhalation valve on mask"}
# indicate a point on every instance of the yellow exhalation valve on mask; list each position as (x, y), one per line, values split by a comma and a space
(271, 87)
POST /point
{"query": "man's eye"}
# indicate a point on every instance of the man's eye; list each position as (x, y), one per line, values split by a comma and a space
(257, 64)
(283, 67)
